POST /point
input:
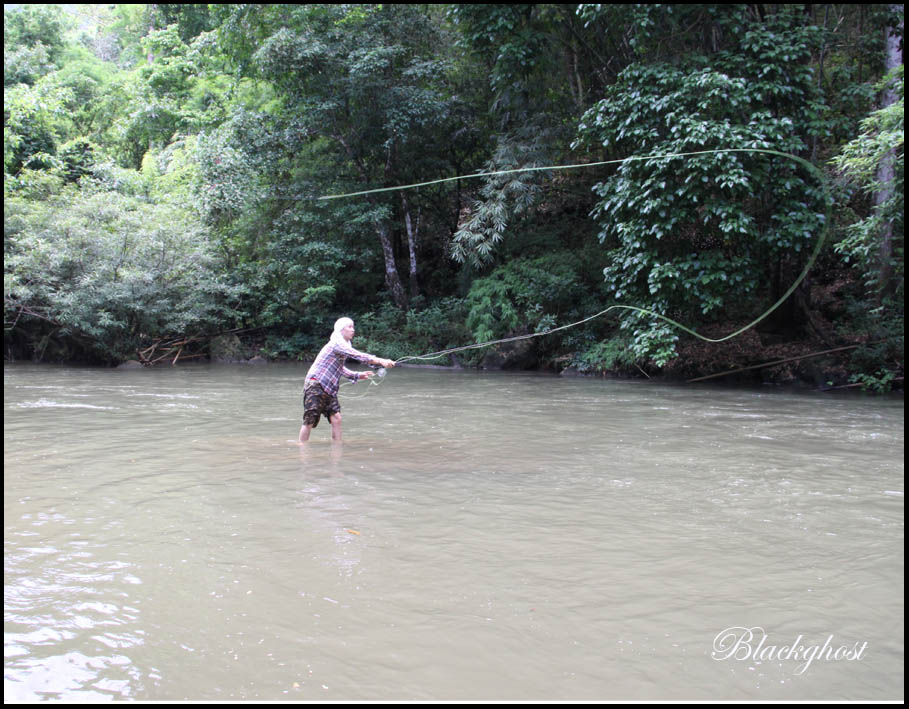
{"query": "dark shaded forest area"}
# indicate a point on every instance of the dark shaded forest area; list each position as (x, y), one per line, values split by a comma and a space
(163, 166)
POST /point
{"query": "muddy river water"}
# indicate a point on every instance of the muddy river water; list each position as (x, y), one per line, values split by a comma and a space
(476, 536)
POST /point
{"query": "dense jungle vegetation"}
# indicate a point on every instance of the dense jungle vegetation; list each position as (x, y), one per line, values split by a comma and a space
(163, 164)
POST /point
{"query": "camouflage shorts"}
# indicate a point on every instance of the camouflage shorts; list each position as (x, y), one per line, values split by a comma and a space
(316, 402)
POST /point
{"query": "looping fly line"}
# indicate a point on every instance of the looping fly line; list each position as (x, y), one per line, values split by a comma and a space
(565, 167)
(814, 254)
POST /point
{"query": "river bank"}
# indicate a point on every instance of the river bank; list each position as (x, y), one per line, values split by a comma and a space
(791, 373)
(749, 360)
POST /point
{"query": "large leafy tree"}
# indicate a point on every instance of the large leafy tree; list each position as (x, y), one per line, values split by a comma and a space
(542, 67)
(873, 163)
(159, 95)
(360, 95)
(94, 271)
(33, 42)
(688, 237)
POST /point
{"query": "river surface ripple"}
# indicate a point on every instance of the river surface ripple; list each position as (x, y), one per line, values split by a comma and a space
(476, 536)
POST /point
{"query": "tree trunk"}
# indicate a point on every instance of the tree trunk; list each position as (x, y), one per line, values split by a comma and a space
(412, 232)
(392, 280)
(884, 175)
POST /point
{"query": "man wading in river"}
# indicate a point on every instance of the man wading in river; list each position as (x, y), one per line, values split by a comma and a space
(320, 393)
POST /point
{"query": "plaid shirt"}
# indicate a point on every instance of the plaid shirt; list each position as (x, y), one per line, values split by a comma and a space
(329, 367)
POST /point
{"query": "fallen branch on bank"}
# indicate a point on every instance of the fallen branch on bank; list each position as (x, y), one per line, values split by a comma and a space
(166, 347)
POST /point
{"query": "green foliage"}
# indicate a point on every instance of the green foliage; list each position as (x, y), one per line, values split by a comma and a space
(168, 76)
(158, 95)
(25, 65)
(686, 235)
(34, 121)
(429, 326)
(81, 83)
(161, 155)
(230, 176)
(359, 102)
(877, 366)
(514, 39)
(860, 165)
(191, 19)
(78, 158)
(31, 26)
(880, 382)
(880, 324)
(613, 354)
(502, 198)
(109, 269)
(535, 102)
(527, 295)
(298, 346)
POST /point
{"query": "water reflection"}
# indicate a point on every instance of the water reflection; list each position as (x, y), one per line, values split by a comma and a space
(318, 457)
(70, 621)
